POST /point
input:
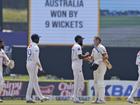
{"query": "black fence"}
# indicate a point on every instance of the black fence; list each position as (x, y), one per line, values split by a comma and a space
(56, 60)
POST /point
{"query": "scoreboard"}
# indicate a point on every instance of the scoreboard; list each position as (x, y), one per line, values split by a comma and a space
(59, 21)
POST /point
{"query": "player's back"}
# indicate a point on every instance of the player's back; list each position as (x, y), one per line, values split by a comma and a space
(31, 52)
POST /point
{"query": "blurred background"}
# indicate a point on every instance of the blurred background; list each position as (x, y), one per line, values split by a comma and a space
(119, 29)
(119, 26)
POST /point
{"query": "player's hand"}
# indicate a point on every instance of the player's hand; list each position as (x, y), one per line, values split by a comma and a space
(40, 69)
(89, 59)
(11, 64)
(87, 54)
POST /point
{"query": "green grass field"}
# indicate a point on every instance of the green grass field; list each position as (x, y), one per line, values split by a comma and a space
(22, 78)
(119, 21)
(26, 78)
(13, 15)
(22, 102)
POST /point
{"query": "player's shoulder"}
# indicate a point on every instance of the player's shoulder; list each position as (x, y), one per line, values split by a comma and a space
(33, 47)
(138, 53)
(76, 46)
(101, 46)
(2, 51)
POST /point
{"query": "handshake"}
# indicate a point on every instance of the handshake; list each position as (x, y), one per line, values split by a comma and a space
(88, 57)
(94, 66)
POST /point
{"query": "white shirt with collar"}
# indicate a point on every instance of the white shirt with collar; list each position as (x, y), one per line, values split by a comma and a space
(76, 51)
(97, 53)
(33, 53)
(138, 59)
(3, 59)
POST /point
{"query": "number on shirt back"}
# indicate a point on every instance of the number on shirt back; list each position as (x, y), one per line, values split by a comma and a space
(29, 54)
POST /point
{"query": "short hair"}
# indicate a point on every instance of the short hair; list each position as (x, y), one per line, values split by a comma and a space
(98, 38)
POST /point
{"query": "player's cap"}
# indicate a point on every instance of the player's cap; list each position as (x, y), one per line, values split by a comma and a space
(35, 36)
(78, 37)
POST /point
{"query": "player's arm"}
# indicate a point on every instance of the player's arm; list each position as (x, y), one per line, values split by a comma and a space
(138, 59)
(5, 59)
(83, 56)
(7, 62)
(80, 55)
(105, 58)
(90, 58)
(37, 60)
(104, 53)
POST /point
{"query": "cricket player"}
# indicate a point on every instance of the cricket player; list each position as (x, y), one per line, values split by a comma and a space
(99, 55)
(33, 65)
(137, 85)
(77, 58)
(3, 60)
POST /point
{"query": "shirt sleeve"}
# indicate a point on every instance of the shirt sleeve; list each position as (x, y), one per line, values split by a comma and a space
(36, 55)
(6, 60)
(92, 53)
(138, 59)
(79, 50)
(102, 50)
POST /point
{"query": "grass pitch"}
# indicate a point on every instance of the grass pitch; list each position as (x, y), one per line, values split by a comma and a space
(119, 21)
(22, 102)
(13, 15)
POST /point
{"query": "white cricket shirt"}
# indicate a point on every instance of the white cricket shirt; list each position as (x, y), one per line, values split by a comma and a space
(97, 53)
(76, 50)
(3, 59)
(138, 59)
(33, 53)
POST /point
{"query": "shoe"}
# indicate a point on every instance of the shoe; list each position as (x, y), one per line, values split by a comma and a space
(45, 99)
(131, 101)
(95, 101)
(30, 101)
(1, 101)
(100, 102)
(78, 102)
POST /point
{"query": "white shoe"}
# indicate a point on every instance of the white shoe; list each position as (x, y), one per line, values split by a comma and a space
(78, 102)
(30, 101)
(45, 99)
(100, 102)
(132, 101)
(1, 100)
(95, 101)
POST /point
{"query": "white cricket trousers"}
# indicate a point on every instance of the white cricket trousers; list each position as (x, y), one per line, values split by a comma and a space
(1, 81)
(33, 82)
(136, 86)
(78, 80)
(99, 86)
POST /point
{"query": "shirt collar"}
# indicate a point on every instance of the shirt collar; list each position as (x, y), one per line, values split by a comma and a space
(33, 43)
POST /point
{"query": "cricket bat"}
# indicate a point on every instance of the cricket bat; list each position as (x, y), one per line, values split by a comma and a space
(108, 64)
